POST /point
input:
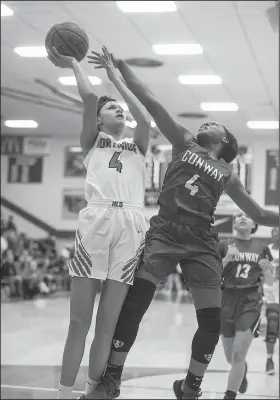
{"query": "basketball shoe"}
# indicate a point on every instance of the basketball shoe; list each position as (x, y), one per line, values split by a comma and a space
(183, 392)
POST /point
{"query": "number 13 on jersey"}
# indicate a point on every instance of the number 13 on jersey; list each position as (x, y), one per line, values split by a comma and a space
(190, 185)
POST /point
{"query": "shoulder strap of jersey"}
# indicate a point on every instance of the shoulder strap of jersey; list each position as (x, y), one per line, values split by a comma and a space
(89, 154)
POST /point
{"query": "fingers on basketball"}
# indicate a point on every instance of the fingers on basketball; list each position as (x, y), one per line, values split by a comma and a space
(68, 39)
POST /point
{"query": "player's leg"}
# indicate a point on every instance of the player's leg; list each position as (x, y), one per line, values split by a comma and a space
(241, 344)
(207, 303)
(230, 301)
(272, 328)
(246, 328)
(202, 274)
(111, 301)
(227, 346)
(89, 265)
(158, 260)
(83, 292)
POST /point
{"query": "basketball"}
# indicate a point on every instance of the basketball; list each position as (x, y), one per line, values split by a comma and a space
(68, 39)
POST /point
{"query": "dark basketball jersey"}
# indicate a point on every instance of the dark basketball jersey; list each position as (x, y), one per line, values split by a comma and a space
(194, 182)
(243, 271)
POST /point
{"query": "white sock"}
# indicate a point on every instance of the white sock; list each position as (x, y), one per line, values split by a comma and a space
(91, 385)
(269, 356)
(64, 392)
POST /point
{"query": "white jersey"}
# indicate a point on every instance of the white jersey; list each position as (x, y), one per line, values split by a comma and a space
(115, 171)
(271, 293)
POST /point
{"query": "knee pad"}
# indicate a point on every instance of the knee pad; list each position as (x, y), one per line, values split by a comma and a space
(272, 326)
(137, 302)
(207, 334)
(209, 319)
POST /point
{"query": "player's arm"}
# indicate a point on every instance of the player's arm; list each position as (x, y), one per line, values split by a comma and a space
(90, 130)
(244, 201)
(172, 130)
(227, 252)
(139, 113)
(141, 134)
(89, 98)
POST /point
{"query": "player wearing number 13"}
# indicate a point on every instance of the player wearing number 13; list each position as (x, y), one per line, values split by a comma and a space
(111, 229)
(182, 233)
(246, 265)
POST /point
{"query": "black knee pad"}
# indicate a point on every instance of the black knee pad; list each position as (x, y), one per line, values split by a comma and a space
(272, 326)
(137, 302)
(207, 334)
(209, 319)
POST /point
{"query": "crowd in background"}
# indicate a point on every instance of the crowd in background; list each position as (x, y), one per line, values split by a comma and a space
(31, 267)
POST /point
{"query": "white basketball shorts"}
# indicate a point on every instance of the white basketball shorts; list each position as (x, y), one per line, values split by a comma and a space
(109, 241)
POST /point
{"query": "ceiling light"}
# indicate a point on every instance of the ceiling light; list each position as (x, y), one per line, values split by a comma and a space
(123, 106)
(219, 106)
(263, 124)
(177, 49)
(6, 11)
(33, 51)
(153, 124)
(146, 6)
(16, 123)
(71, 80)
(75, 149)
(200, 79)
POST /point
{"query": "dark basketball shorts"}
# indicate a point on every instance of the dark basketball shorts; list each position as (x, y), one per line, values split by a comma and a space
(241, 310)
(168, 243)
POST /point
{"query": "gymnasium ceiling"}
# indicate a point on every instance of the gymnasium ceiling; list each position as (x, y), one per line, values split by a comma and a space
(239, 44)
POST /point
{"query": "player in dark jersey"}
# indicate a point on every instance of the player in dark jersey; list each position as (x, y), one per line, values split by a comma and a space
(182, 232)
(245, 265)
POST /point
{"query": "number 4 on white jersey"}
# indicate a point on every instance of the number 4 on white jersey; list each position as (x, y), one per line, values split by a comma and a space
(189, 185)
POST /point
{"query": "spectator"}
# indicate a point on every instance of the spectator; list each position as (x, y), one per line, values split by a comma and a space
(8, 273)
(30, 266)
(10, 224)
(4, 245)
(30, 277)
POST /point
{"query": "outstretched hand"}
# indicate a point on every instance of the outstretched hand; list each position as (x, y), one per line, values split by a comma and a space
(60, 60)
(106, 61)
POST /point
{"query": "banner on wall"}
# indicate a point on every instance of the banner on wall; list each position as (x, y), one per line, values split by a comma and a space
(72, 203)
(272, 189)
(11, 144)
(156, 165)
(74, 166)
(25, 169)
(36, 145)
(29, 145)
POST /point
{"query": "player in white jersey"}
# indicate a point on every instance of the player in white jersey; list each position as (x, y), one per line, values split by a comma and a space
(271, 298)
(111, 229)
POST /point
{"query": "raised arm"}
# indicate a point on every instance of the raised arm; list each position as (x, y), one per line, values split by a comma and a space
(90, 131)
(238, 194)
(141, 134)
(172, 130)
